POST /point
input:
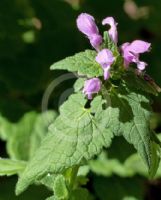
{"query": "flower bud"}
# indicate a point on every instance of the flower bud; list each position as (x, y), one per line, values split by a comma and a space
(92, 86)
(86, 24)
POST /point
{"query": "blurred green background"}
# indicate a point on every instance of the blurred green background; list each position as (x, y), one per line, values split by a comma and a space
(36, 33)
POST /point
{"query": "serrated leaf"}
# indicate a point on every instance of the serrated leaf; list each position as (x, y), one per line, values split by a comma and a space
(76, 135)
(134, 113)
(155, 149)
(10, 167)
(109, 44)
(114, 163)
(60, 188)
(83, 63)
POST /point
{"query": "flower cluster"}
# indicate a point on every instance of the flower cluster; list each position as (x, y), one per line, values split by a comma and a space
(105, 57)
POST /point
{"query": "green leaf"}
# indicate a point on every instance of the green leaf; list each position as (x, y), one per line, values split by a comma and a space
(19, 140)
(83, 170)
(108, 167)
(78, 85)
(6, 128)
(155, 150)
(48, 181)
(138, 82)
(60, 188)
(109, 44)
(25, 136)
(10, 167)
(83, 63)
(40, 129)
(76, 135)
(81, 193)
(134, 113)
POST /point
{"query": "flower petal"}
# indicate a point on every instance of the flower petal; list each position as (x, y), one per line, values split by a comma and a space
(86, 24)
(139, 46)
(106, 73)
(105, 58)
(92, 86)
(96, 41)
(113, 29)
(141, 65)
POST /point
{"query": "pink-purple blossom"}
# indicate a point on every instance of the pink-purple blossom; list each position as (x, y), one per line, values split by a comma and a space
(131, 53)
(105, 58)
(113, 28)
(86, 24)
(92, 86)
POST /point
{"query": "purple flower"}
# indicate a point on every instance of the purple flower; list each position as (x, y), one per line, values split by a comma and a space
(92, 86)
(113, 28)
(105, 58)
(86, 24)
(132, 51)
(95, 41)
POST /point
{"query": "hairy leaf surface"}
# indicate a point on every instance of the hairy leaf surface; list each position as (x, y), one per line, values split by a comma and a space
(83, 63)
(134, 113)
(77, 135)
(10, 167)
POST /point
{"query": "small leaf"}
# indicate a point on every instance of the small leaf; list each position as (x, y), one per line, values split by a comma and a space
(109, 44)
(10, 167)
(79, 84)
(60, 188)
(83, 63)
(48, 181)
(76, 135)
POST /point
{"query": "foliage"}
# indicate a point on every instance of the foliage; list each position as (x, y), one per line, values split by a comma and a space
(105, 148)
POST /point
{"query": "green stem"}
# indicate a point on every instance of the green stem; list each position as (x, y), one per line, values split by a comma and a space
(73, 177)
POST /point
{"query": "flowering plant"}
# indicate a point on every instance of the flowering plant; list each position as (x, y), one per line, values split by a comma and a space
(112, 98)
